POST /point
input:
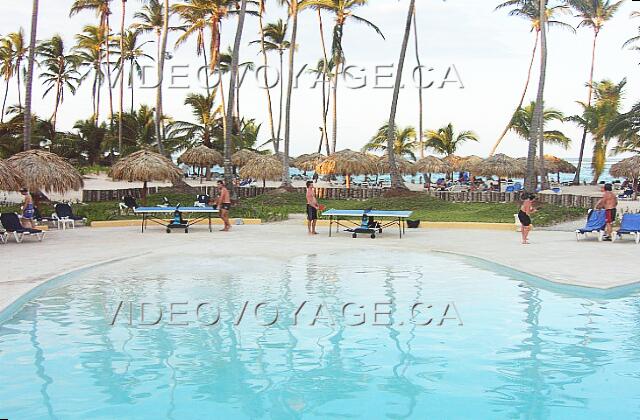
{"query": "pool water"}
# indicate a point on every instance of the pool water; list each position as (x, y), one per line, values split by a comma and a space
(496, 347)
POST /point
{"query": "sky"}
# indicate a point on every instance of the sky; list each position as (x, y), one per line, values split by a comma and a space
(482, 54)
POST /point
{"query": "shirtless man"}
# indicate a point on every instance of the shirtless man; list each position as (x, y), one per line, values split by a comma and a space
(524, 215)
(312, 209)
(224, 204)
(609, 202)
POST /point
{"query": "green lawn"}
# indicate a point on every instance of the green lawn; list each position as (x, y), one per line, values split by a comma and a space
(272, 207)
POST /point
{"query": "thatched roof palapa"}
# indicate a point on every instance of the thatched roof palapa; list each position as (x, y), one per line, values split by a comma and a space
(9, 180)
(627, 168)
(308, 162)
(201, 156)
(432, 164)
(470, 163)
(145, 166)
(500, 165)
(262, 167)
(454, 162)
(404, 166)
(39, 170)
(347, 162)
(242, 157)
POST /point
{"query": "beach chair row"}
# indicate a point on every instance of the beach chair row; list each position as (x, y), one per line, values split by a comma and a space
(11, 227)
(596, 224)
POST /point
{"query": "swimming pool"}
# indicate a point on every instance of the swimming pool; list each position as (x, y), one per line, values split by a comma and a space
(451, 339)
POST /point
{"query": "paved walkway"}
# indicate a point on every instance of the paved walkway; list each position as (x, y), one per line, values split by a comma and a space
(555, 256)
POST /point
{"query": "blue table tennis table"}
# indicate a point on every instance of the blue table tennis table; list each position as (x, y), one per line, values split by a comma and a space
(392, 217)
(153, 214)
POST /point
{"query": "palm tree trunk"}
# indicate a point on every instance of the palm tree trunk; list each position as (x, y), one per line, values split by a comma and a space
(583, 142)
(206, 64)
(235, 58)
(4, 102)
(120, 124)
(286, 179)
(537, 124)
(334, 138)
(131, 83)
(18, 68)
(161, 58)
(222, 101)
(396, 179)
(54, 116)
(107, 55)
(281, 104)
(265, 60)
(524, 94)
(30, 68)
(325, 99)
(420, 96)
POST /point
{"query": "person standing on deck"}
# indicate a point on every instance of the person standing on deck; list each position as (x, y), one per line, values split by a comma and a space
(312, 209)
(609, 203)
(524, 215)
(224, 205)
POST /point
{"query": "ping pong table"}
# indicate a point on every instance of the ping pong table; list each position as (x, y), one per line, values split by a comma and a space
(393, 218)
(153, 214)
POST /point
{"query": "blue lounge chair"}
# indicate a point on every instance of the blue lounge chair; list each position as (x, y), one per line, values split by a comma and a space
(630, 226)
(11, 223)
(627, 194)
(596, 223)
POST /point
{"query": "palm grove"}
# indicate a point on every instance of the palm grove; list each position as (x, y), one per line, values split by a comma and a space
(109, 53)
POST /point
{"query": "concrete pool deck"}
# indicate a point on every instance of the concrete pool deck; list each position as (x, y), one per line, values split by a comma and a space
(553, 255)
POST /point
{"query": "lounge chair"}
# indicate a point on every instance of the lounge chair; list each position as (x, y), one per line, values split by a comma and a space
(627, 194)
(128, 204)
(64, 216)
(11, 223)
(596, 223)
(202, 200)
(630, 226)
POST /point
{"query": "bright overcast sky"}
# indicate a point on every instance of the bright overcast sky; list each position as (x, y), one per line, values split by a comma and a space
(489, 49)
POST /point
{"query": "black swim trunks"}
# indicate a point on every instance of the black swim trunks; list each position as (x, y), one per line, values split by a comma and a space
(312, 213)
(524, 218)
(226, 206)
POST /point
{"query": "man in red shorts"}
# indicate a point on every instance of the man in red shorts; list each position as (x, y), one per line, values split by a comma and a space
(609, 202)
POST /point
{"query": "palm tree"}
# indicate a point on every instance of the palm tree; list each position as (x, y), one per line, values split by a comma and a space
(163, 55)
(522, 120)
(6, 70)
(133, 53)
(396, 179)
(405, 141)
(30, 68)
(15, 43)
(206, 113)
(633, 40)
(537, 135)
(593, 14)
(343, 10)
(294, 9)
(233, 80)
(324, 69)
(121, 87)
(274, 38)
(598, 119)
(102, 9)
(626, 128)
(89, 51)
(60, 71)
(420, 80)
(530, 10)
(445, 141)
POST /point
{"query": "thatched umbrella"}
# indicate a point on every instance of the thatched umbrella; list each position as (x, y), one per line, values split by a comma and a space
(500, 165)
(431, 165)
(39, 170)
(144, 166)
(280, 157)
(308, 162)
(454, 162)
(262, 167)
(405, 167)
(347, 162)
(628, 168)
(242, 157)
(9, 180)
(555, 165)
(202, 157)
